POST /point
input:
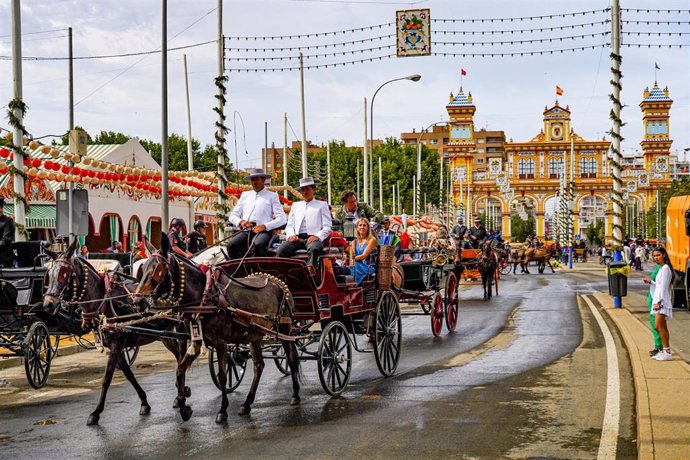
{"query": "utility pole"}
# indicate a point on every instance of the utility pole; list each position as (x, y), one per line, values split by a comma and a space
(70, 186)
(190, 147)
(357, 179)
(380, 186)
(328, 172)
(220, 123)
(304, 121)
(285, 155)
(365, 156)
(419, 174)
(18, 136)
(165, 216)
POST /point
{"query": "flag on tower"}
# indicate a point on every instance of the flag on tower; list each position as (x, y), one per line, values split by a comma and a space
(462, 72)
(656, 66)
(559, 91)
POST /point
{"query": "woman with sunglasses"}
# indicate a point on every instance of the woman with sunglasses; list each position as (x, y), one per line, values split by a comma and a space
(661, 305)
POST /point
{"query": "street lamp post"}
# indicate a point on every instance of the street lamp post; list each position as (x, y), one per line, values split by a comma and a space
(234, 130)
(414, 77)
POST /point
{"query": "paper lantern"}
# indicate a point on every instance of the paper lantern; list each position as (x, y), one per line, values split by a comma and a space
(33, 145)
(64, 169)
(51, 176)
(3, 168)
(36, 163)
(5, 153)
(42, 174)
(54, 153)
(33, 171)
(60, 177)
(112, 167)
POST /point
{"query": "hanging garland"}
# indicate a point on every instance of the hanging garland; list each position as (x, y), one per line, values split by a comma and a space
(225, 169)
(17, 105)
(615, 160)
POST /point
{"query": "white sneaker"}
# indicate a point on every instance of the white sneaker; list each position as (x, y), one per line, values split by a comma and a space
(664, 355)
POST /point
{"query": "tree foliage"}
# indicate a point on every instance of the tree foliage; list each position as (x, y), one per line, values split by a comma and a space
(520, 229)
(678, 187)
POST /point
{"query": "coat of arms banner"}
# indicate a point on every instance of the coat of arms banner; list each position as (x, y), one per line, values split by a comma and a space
(413, 32)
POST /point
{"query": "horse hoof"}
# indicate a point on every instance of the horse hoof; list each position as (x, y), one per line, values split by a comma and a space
(221, 418)
(187, 392)
(93, 420)
(295, 401)
(244, 410)
(176, 403)
(186, 413)
(145, 410)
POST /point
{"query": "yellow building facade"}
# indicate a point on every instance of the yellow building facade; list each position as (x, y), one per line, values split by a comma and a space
(528, 179)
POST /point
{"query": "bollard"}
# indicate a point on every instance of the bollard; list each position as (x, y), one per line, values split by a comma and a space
(617, 300)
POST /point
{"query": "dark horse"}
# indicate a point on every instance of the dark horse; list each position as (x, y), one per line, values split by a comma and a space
(73, 282)
(487, 268)
(264, 297)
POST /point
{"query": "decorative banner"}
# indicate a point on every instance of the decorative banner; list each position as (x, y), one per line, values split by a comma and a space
(460, 174)
(631, 186)
(625, 196)
(509, 195)
(505, 188)
(660, 165)
(495, 166)
(501, 179)
(413, 32)
(643, 179)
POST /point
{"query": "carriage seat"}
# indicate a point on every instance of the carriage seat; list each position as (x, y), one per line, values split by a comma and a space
(302, 254)
(103, 265)
(123, 258)
(23, 288)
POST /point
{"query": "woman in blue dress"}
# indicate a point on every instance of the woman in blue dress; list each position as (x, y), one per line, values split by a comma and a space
(361, 265)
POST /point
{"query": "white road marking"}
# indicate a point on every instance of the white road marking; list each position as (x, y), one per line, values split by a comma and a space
(609, 430)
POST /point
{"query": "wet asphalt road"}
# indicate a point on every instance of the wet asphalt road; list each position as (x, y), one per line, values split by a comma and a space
(523, 376)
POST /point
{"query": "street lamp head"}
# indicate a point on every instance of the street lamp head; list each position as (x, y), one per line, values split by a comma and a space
(414, 77)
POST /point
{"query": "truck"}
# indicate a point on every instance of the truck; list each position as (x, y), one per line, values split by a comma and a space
(678, 247)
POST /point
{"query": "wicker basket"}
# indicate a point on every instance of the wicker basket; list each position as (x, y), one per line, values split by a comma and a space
(384, 267)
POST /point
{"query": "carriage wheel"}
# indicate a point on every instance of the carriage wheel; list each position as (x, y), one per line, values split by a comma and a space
(131, 354)
(388, 334)
(451, 302)
(37, 354)
(437, 315)
(237, 365)
(335, 358)
(506, 268)
(280, 359)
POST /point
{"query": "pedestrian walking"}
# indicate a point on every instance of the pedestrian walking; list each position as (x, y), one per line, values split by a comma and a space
(662, 308)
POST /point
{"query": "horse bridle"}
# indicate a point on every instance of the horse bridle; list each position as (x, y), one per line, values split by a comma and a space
(66, 275)
(162, 270)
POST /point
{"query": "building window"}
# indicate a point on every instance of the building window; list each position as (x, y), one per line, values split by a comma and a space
(480, 141)
(480, 150)
(480, 160)
(526, 168)
(588, 168)
(555, 167)
(434, 141)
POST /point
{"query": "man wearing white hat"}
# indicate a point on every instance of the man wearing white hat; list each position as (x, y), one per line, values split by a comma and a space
(257, 213)
(309, 224)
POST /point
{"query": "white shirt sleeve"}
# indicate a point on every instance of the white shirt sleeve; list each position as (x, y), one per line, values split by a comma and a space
(663, 283)
(278, 214)
(236, 214)
(290, 229)
(326, 221)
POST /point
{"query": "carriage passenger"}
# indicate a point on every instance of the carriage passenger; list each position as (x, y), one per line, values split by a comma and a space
(477, 233)
(353, 210)
(308, 225)
(258, 212)
(361, 264)
(196, 240)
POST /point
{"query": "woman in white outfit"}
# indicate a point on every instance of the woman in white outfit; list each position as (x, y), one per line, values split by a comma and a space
(662, 308)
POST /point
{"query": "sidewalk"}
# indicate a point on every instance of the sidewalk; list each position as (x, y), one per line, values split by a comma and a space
(662, 389)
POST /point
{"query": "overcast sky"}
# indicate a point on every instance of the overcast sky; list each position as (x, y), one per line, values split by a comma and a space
(123, 94)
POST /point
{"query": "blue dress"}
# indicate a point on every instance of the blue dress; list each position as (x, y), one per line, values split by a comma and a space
(362, 268)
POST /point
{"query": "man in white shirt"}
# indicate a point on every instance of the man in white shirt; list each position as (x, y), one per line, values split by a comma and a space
(309, 224)
(257, 213)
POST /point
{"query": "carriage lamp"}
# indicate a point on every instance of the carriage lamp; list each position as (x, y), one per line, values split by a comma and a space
(349, 229)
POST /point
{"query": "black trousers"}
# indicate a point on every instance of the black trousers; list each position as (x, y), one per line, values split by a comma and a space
(238, 244)
(314, 249)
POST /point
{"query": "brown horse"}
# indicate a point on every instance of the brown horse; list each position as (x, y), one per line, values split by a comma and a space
(542, 255)
(487, 268)
(73, 282)
(260, 299)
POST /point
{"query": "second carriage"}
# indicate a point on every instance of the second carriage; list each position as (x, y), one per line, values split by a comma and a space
(424, 278)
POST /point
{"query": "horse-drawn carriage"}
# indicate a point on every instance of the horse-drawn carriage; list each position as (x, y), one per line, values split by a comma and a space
(479, 266)
(423, 280)
(29, 330)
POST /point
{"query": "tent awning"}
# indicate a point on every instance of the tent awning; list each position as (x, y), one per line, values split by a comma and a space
(39, 215)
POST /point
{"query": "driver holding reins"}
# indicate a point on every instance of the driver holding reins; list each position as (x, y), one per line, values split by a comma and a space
(257, 213)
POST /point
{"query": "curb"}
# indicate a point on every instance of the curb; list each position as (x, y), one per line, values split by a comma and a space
(67, 350)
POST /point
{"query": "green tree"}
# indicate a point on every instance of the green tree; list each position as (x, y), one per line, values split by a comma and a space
(520, 229)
